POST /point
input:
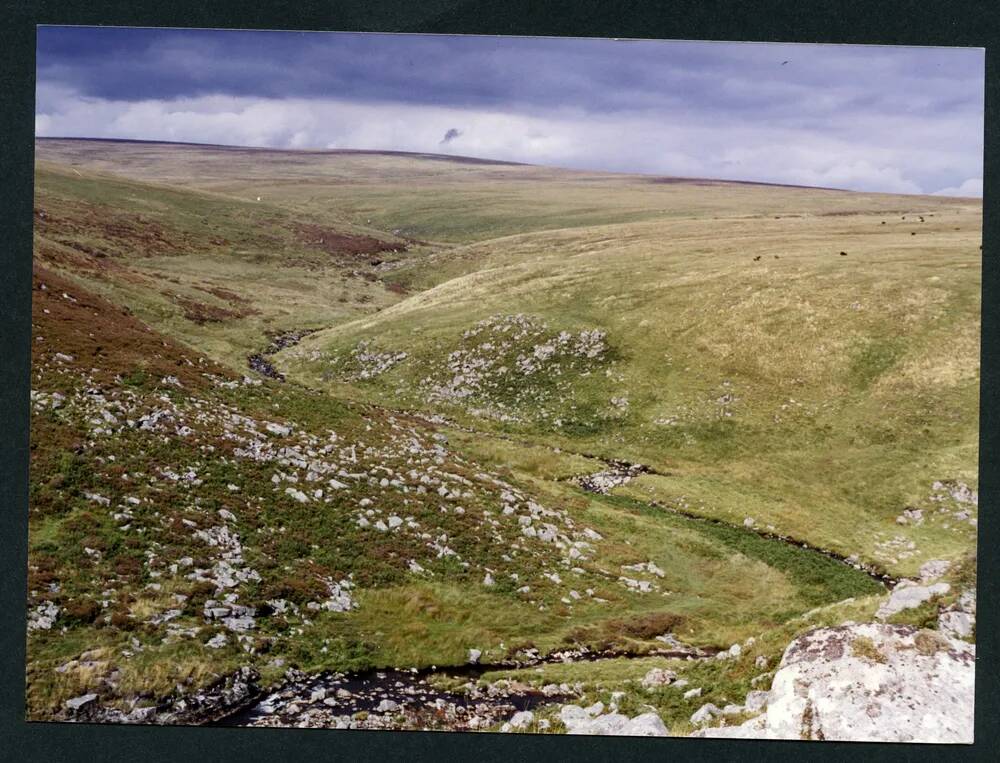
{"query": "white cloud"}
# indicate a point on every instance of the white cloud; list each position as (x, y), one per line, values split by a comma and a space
(686, 144)
(972, 187)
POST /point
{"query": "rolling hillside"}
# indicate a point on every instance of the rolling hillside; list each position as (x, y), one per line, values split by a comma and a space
(334, 411)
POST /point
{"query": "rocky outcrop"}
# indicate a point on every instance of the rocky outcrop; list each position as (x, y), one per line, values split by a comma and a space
(868, 682)
(618, 473)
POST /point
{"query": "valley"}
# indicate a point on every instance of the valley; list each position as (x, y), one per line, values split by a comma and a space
(385, 440)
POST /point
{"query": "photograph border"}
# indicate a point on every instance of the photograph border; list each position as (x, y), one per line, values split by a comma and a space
(971, 23)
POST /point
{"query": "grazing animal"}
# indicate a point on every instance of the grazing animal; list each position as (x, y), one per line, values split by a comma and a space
(843, 254)
(921, 218)
(913, 233)
(755, 259)
(883, 222)
(776, 257)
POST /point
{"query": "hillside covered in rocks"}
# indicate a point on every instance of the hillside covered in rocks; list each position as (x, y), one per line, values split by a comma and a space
(302, 458)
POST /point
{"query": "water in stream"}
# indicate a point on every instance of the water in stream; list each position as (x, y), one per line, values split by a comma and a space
(396, 699)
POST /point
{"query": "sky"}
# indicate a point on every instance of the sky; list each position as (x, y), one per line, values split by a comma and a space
(868, 118)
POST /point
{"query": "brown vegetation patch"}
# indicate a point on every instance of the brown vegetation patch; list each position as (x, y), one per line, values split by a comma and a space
(83, 610)
(296, 587)
(929, 643)
(74, 258)
(202, 313)
(617, 633)
(864, 647)
(332, 242)
(106, 231)
(228, 296)
(95, 334)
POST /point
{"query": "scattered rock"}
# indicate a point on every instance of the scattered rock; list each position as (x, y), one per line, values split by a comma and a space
(658, 677)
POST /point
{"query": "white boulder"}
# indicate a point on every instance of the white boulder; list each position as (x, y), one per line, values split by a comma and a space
(645, 725)
(522, 719)
(869, 682)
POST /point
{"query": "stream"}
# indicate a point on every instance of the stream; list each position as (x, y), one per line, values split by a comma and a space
(259, 362)
(620, 472)
(394, 698)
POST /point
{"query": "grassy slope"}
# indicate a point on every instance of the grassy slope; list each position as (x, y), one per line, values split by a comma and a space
(742, 376)
(166, 251)
(114, 537)
(853, 378)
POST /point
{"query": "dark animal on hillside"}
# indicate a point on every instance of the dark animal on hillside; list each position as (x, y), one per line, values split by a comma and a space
(756, 258)
(843, 254)
(921, 218)
(776, 257)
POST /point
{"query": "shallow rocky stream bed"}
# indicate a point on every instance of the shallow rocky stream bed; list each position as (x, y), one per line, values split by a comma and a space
(398, 699)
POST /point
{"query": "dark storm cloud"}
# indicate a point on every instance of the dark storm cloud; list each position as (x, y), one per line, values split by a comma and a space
(886, 103)
(531, 73)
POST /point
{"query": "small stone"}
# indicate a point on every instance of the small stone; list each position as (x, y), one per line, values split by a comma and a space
(217, 642)
(704, 714)
(277, 429)
(522, 719)
(78, 703)
(658, 677)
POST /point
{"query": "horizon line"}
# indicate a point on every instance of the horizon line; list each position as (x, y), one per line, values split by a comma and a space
(480, 160)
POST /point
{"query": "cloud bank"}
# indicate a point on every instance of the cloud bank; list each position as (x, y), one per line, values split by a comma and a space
(868, 118)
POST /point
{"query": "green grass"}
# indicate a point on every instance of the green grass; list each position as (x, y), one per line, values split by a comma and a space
(815, 394)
